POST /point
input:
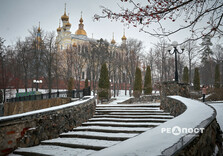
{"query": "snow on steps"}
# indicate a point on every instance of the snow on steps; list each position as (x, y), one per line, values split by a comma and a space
(111, 124)
(99, 135)
(52, 150)
(154, 142)
(109, 129)
(135, 116)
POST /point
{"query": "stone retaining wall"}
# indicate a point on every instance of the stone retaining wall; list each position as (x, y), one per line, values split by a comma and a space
(205, 143)
(28, 129)
(174, 107)
(142, 99)
(202, 144)
(154, 142)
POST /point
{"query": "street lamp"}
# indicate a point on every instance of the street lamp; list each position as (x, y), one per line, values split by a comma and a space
(172, 49)
(37, 83)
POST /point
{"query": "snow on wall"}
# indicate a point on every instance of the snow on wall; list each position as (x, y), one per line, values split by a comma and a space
(12, 117)
(29, 129)
(162, 139)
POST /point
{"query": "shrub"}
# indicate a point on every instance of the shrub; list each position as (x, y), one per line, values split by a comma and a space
(137, 90)
(217, 77)
(196, 80)
(148, 82)
(70, 87)
(86, 83)
(185, 75)
(104, 84)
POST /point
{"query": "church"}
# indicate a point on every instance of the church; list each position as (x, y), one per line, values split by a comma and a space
(66, 39)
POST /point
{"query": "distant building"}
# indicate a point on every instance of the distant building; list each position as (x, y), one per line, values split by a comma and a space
(66, 40)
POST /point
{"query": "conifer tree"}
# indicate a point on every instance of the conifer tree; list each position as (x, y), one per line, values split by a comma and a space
(148, 82)
(104, 84)
(137, 90)
(86, 83)
(206, 50)
(70, 87)
(217, 77)
(185, 75)
(196, 80)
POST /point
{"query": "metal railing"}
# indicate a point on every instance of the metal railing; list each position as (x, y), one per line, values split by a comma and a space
(72, 94)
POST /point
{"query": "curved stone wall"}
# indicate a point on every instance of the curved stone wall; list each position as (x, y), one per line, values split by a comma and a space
(28, 129)
(164, 140)
(202, 143)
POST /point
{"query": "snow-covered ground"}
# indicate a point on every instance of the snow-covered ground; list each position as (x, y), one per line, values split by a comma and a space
(120, 98)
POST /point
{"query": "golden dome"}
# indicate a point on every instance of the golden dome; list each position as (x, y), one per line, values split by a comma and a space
(124, 38)
(81, 20)
(113, 40)
(59, 28)
(38, 28)
(64, 17)
(81, 32)
(74, 44)
(68, 24)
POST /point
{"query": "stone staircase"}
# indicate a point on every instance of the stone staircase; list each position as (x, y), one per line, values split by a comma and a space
(111, 124)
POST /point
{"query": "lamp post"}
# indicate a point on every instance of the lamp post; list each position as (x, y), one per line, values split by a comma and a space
(173, 49)
(37, 83)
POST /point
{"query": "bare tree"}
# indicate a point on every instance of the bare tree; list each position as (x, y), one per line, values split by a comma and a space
(192, 52)
(36, 39)
(80, 62)
(162, 59)
(25, 57)
(189, 13)
(133, 50)
(49, 59)
(5, 70)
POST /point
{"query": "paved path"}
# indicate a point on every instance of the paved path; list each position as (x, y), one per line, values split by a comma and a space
(111, 124)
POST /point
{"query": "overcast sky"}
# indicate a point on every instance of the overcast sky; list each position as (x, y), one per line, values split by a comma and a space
(19, 16)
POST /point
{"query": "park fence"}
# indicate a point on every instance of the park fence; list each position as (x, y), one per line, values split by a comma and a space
(72, 94)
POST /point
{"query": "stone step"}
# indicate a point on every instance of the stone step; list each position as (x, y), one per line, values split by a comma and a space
(121, 124)
(47, 150)
(111, 124)
(91, 144)
(129, 105)
(107, 129)
(127, 120)
(99, 135)
(132, 113)
(135, 116)
(127, 108)
(120, 106)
